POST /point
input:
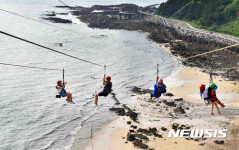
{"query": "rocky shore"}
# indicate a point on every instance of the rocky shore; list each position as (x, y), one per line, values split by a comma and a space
(107, 17)
(146, 123)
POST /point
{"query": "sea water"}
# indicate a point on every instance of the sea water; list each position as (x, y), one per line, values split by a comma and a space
(30, 115)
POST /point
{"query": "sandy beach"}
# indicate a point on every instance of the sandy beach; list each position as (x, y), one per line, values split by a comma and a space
(184, 84)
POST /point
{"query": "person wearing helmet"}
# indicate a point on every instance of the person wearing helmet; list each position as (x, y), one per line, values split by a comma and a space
(213, 98)
(62, 92)
(107, 88)
(159, 88)
(209, 96)
(204, 93)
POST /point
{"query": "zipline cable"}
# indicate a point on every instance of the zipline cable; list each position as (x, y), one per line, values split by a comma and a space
(23, 66)
(50, 49)
(63, 3)
(48, 23)
(181, 9)
(216, 50)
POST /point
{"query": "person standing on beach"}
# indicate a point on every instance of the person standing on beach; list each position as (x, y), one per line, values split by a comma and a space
(213, 98)
(209, 95)
(204, 93)
(107, 88)
(159, 88)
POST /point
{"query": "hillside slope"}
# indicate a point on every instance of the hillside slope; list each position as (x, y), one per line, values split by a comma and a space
(215, 15)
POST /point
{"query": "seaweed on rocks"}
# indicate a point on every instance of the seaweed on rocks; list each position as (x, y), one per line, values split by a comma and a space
(179, 110)
(126, 111)
(119, 111)
(133, 115)
(138, 90)
(169, 103)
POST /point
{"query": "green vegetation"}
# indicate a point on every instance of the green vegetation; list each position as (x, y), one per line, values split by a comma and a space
(214, 15)
(235, 130)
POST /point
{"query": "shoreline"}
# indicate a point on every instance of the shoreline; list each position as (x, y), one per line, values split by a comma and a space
(107, 17)
(115, 133)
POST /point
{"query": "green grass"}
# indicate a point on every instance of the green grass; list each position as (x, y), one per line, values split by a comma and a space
(230, 29)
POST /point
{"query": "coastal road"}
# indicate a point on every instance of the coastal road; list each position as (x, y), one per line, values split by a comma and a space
(187, 29)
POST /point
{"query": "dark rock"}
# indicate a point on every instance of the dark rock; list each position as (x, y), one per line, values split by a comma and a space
(179, 110)
(171, 104)
(219, 142)
(58, 44)
(132, 115)
(130, 137)
(202, 144)
(128, 122)
(138, 90)
(169, 94)
(134, 127)
(119, 111)
(57, 20)
(164, 129)
(131, 131)
(141, 136)
(158, 135)
(175, 126)
(143, 146)
(178, 99)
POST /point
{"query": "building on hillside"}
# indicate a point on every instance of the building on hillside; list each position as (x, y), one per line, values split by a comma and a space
(128, 11)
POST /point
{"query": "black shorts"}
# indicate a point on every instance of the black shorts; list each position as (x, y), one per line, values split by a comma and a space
(103, 93)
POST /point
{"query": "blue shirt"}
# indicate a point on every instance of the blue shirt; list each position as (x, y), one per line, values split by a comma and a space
(159, 87)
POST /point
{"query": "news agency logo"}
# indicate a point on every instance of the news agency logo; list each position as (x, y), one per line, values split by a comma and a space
(198, 133)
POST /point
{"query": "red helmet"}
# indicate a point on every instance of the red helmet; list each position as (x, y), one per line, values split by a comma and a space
(59, 81)
(202, 87)
(108, 78)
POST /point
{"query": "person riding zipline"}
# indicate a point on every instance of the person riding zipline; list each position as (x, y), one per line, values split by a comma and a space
(159, 88)
(209, 96)
(107, 88)
(62, 92)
